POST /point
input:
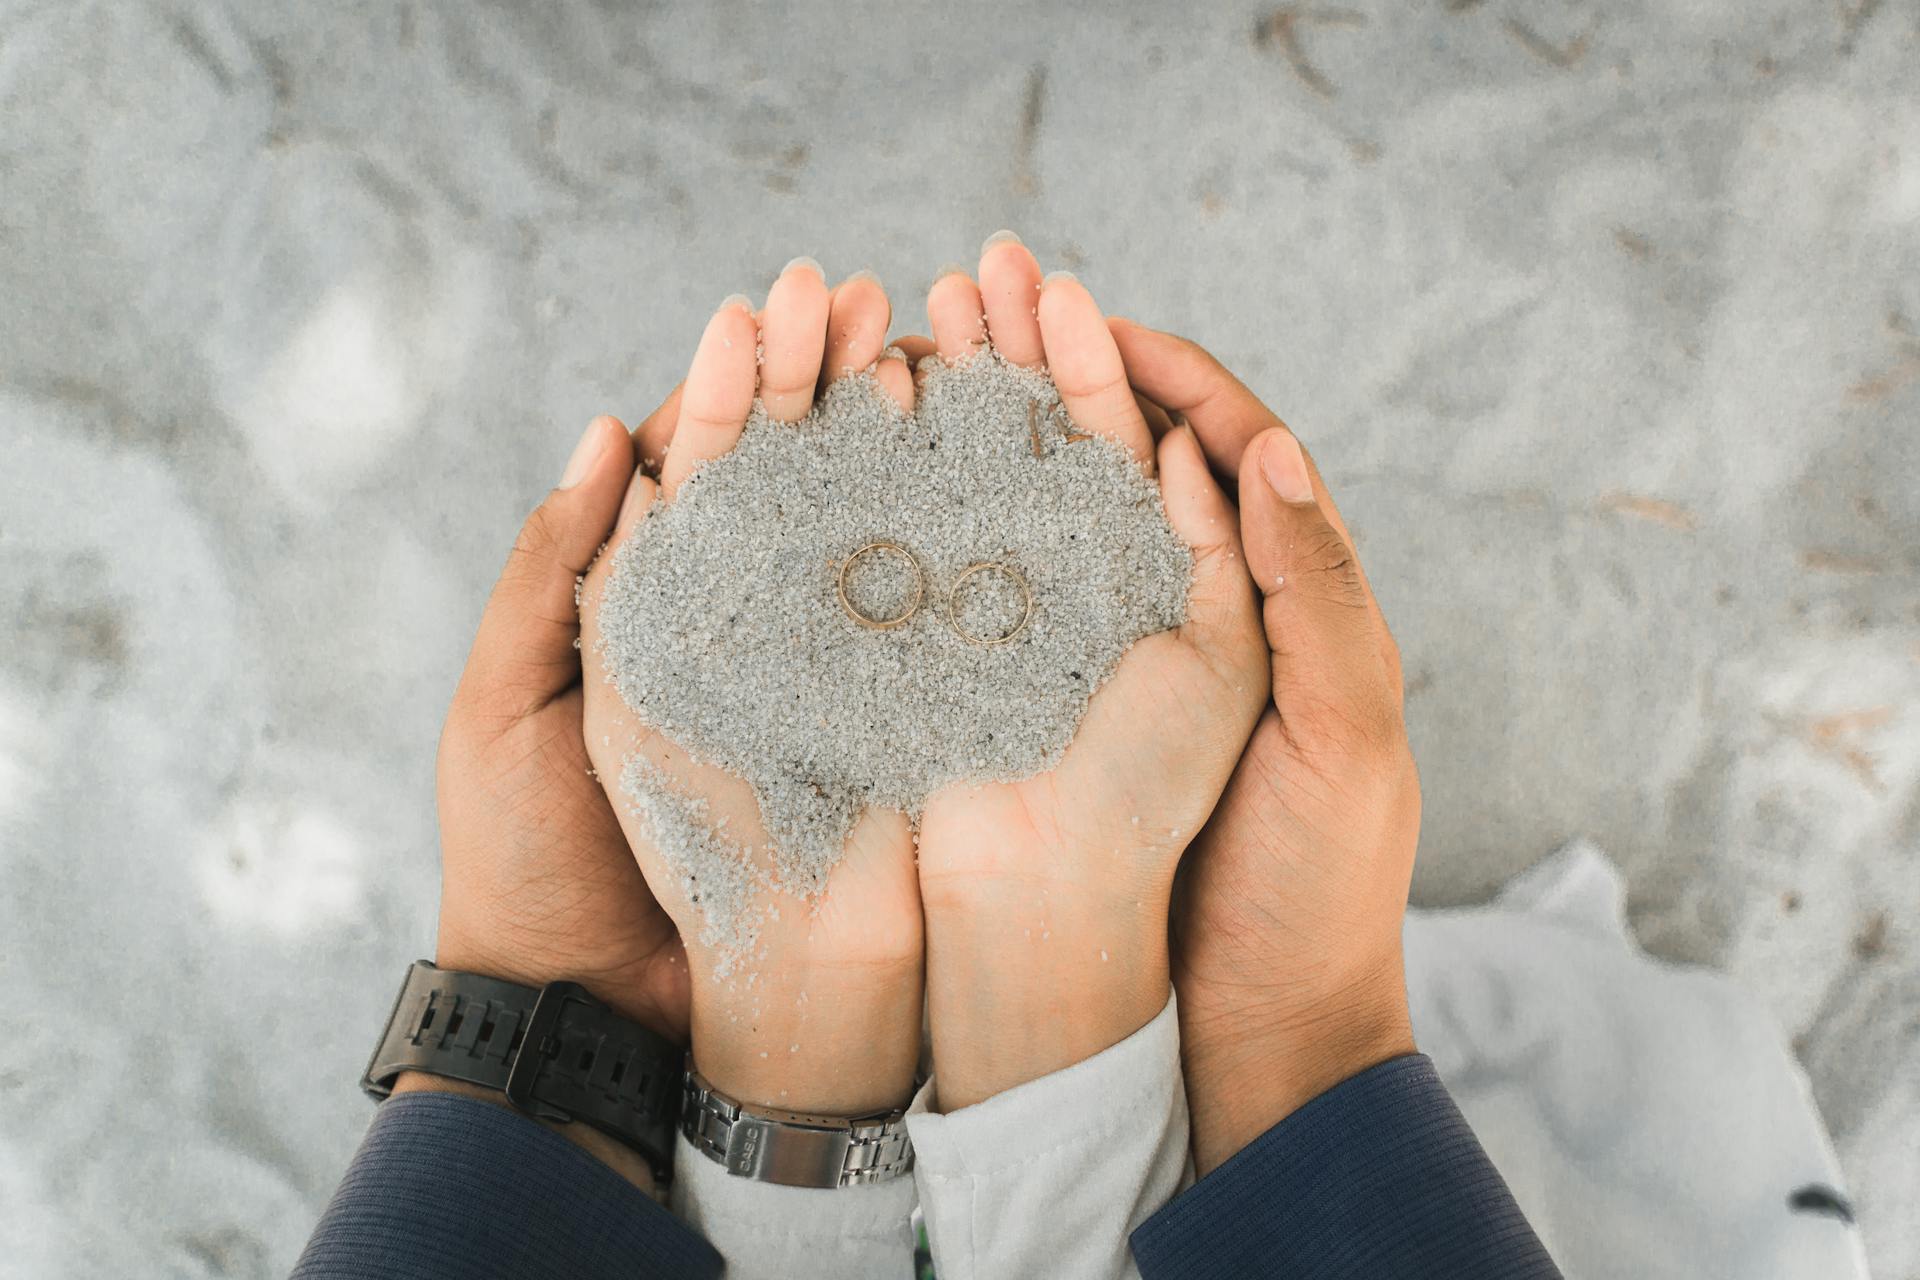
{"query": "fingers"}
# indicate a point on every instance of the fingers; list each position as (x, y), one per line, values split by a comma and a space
(856, 327)
(1086, 368)
(651, 438)
(717, 395)
(958, 316)
(1332, 662)
(809, 338)
(1056, 323)
(1184, 378)
(1221, 615)
(1010, 294)
(523, 655)
(916, 347)
(1156, 418)
(634, 505)
(896, 378)
(633, 508)
(793, 335)
(857, 339)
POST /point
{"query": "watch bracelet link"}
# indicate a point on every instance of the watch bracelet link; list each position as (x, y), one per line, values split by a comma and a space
(791, 1148)
(557, 1053)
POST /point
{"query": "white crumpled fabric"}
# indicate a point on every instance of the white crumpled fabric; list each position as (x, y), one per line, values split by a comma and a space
(1649, 1117)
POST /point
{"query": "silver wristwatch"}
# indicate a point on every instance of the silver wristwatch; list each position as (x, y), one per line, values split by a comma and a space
(792, 1149)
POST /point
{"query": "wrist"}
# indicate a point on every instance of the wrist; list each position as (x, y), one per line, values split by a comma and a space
(826, 1042)
(1023, 982)
(646, 987)
(616, 1155)
(1249, 1065)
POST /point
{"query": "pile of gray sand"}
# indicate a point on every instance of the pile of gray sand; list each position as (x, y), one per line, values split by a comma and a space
(725, 630)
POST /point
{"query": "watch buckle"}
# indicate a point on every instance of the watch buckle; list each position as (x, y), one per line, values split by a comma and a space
(790, 1154)
(536, 1041)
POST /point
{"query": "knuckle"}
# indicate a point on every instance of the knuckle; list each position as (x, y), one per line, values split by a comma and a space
(1099, 383)
(537, 536)
(480, 711)
(1326, 562)
(1368, 729)
(536, 550)
(785, 388)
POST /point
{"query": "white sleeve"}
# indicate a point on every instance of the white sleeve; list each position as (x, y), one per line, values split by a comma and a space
(769, 1232)
(1049, 1178)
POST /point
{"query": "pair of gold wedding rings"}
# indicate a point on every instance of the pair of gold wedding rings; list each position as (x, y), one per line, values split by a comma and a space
(894, 549)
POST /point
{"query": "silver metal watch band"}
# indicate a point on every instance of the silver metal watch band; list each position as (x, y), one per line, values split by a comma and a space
(790, 1148)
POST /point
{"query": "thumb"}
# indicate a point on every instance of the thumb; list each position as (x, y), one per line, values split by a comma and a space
(1332, 673)
(525, 653)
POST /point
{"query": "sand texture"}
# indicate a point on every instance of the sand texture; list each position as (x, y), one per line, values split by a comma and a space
(1603, 323)
(724, 627)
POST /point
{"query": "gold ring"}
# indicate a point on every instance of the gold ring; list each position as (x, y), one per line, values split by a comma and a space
(1026, 595)
(913, 605)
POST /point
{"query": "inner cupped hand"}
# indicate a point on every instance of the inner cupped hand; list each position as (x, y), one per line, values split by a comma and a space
(823, 1012)
(1046, 900)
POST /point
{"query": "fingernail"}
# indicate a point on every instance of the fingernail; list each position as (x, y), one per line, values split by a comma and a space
(1051, 276)
(585, 454)
(1002, 236)
(951, 269)
(804, 261)
(862, 274)
(735, 300)
(894, 353)
(1286, 469)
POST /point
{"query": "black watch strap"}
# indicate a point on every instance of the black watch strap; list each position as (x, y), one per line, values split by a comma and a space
(555, 1051)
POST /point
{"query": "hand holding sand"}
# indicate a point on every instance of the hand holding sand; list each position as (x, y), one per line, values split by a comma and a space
(1046, 897)
(849, 974)
(783, 697)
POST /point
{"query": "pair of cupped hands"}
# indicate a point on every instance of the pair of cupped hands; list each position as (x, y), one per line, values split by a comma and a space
(1236, 815)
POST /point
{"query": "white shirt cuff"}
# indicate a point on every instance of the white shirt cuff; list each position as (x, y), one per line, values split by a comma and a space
(1050, 1177)
(775, 1232)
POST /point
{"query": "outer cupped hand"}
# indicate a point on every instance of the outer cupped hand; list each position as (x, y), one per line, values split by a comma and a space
(538, 884)
(1287, 918)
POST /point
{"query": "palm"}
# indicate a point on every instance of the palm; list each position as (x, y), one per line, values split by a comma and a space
(782, 981)
(1304, 839)
(1137, 781)
(558, 881)
(869, 912)
(870, 903)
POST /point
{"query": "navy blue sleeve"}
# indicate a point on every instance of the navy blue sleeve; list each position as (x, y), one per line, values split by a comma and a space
(453, 1187)
(1379, 1177)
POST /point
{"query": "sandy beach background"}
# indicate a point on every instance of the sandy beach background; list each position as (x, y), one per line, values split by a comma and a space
(1603, 322)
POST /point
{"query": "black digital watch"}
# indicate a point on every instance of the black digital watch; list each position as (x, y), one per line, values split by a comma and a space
(555, 1051)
